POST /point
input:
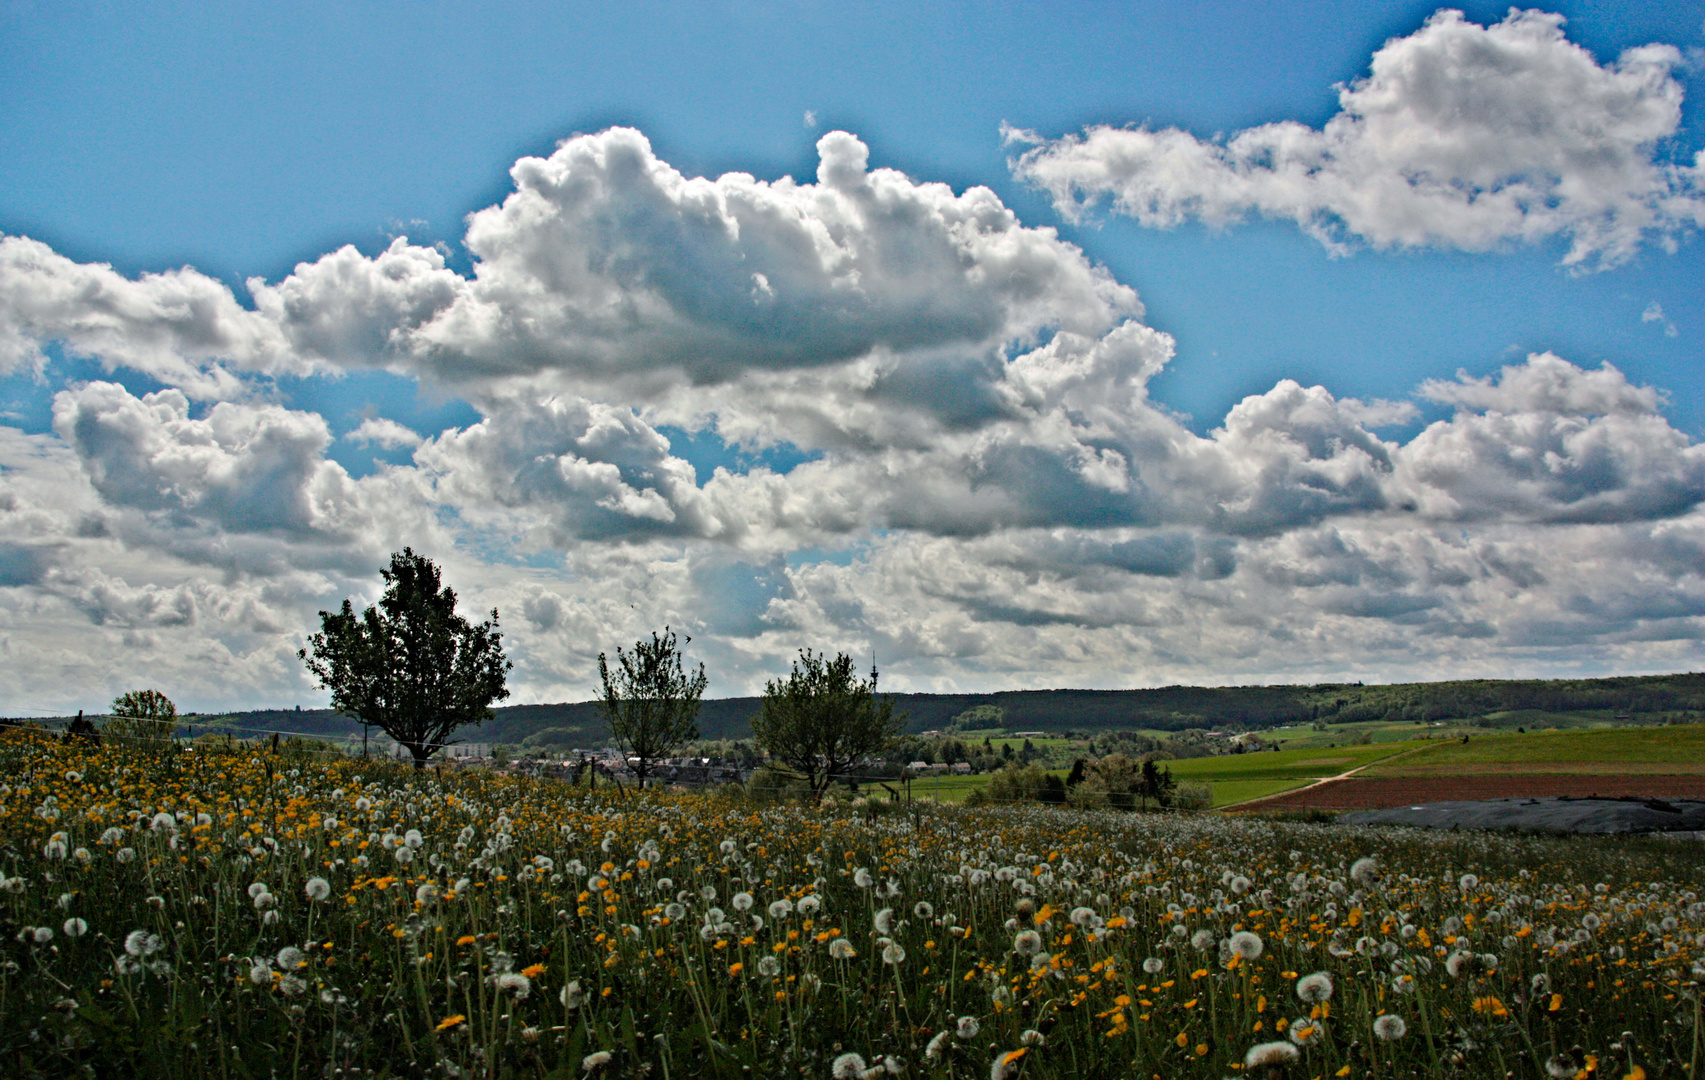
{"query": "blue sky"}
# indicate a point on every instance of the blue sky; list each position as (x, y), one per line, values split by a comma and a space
(913, 473)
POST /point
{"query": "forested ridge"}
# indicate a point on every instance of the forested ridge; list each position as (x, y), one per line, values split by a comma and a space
(1168, 708)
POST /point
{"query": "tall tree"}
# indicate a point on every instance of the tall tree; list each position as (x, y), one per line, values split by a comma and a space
(141, 714)
(650, 701)
(411, 666)
(823, 719)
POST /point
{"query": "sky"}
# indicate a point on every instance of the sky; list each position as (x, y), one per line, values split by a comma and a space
(1006, 345)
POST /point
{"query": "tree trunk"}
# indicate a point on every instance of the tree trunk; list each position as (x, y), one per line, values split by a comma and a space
(421, 752)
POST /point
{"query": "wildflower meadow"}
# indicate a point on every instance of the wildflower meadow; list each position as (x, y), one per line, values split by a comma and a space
(236, 912)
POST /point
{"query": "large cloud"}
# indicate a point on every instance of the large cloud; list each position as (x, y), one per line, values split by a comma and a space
(180, 326)
(984, 492)
(1549, 442)
(1460, 136)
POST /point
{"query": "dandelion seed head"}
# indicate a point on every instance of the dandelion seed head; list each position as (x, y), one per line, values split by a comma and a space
(1314, 989)
(848, 1066)
(1246, 945)
(1390, 1028)
(1269, 1054)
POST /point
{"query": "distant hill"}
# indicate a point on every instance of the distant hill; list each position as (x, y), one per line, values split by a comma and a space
(1171, 708)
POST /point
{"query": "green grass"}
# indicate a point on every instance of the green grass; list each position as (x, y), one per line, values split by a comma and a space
(1227, 792)
(1303, 764)
(1602, 746)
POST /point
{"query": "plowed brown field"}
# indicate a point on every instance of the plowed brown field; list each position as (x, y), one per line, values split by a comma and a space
(1379, 793)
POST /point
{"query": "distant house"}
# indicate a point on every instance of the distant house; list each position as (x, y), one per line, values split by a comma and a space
(1030, 734)
(963, 768)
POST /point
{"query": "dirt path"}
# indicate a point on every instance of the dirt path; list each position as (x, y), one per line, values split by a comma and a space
(1324, 779)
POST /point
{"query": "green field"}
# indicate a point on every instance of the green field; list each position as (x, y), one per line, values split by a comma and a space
(1680, 748)
(1233, 777)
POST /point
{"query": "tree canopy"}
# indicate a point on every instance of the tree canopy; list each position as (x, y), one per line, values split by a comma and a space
(823, 719)
(141, 714)
(650, 701)
(410, 666)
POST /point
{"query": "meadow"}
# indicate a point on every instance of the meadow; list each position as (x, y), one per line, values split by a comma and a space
(232, 912)
(1678, 748)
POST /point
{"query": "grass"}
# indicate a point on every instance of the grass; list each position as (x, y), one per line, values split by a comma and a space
(1227, 792)
(229, 913)
(1297, 765)
(1680, 748)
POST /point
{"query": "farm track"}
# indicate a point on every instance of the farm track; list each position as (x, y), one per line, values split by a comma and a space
(1379, 793)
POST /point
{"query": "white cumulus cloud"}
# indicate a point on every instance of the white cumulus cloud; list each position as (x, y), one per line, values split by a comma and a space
(1461, 136)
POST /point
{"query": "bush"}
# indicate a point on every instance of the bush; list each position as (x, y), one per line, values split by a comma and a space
(1193, 797)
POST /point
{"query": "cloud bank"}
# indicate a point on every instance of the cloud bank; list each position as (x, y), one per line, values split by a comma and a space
(1460, 136)
(975, 484)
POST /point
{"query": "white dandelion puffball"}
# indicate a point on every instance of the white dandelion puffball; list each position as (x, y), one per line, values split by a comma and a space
(1154, 965)
(841, 949)
(1027, 943)
(1246, 946)
(847, 1067)
(1390, 1028)
(967, 1027)
(893, 954)
(514, 983)
(1269, 1053)
(769, 967)
(742, 901)
(317, 888)
(933, 1051)
(862, 878)
(1365, 871)
(884, 921)
(290, 958)
(75, 928)
(1315, 988)
(1306, 1032)
(1005, 1065)
(597, 1059)
(781, 909)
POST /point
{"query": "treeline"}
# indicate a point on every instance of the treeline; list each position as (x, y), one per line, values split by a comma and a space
(1170, 708)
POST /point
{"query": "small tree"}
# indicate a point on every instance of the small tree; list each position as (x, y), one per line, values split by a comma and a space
(411, 666)
(823, 719)
(141, 714)
(650, 701)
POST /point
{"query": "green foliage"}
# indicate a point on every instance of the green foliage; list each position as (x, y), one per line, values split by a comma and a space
(650, 701)
(141, 715)
(823, 719)
(979, 718)
(411, 666)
